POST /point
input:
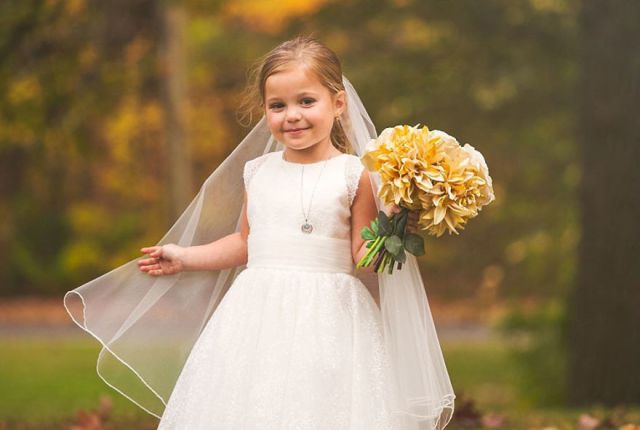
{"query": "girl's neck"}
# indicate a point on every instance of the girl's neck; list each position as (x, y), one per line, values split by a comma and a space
(310, 155)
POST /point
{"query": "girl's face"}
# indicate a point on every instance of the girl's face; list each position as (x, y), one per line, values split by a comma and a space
(300, 110)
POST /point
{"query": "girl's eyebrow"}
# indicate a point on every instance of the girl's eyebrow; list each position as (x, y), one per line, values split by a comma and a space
(302, 94)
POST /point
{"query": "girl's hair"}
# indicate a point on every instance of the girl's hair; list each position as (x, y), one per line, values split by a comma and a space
(306, 51)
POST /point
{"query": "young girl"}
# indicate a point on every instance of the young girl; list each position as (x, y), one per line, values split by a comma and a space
(297, 341)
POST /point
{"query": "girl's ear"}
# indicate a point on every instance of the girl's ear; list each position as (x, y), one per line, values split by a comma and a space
(339, 102)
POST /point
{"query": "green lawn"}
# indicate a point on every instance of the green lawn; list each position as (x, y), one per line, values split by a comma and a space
(44, 380)
(484, 373)
(48, 380)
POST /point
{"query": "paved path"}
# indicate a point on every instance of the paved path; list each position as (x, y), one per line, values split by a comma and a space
(34, 317)
(456, 332)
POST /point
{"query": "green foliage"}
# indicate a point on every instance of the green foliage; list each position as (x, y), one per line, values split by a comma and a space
(82, 120)
(384, 225)
(414, 243)
(367, 234)
(393, 244)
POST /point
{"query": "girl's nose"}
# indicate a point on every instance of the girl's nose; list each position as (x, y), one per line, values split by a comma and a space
(293, 114)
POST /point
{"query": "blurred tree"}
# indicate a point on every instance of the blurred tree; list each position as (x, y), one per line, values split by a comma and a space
(604, 308)
(174, 97)
(65, 65)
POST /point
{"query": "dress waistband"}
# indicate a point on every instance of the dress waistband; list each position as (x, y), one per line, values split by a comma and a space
(299, 251)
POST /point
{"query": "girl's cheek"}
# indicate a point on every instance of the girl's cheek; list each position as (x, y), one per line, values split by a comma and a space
(276, 117)
(273, 120)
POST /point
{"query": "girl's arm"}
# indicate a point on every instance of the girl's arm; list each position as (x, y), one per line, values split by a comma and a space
(229, 251)
(363, 211)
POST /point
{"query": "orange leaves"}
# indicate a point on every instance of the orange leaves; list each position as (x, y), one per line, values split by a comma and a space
(270, 15)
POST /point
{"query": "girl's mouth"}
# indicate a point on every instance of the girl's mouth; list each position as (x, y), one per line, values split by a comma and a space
(296, 130)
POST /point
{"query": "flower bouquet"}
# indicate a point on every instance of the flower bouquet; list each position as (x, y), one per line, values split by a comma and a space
(426, 171)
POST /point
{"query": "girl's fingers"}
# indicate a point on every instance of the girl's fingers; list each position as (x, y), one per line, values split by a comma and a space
(412, 221)
(153, 270)
(392, 209)
(147, 261)
(160, 271)
(153, 251)
(152, 264)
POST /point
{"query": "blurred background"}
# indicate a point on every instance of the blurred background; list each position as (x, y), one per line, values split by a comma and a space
(113, 113)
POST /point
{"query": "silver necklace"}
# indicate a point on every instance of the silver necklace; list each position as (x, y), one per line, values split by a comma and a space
(307, 227)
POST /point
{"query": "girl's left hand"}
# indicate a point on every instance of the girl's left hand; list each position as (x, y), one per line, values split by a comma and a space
(412, 220)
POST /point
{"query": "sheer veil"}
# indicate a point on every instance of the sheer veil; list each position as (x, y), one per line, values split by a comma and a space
(147, 325)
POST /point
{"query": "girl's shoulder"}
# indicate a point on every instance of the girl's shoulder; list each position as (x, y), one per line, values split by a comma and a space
(353, 158)
(259, 159)
(354, 166)
(353, 172)
(251, 166)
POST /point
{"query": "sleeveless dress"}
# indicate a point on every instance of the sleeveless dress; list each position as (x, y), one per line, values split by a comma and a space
(296, 342)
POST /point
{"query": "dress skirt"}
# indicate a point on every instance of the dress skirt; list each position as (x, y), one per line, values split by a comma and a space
(296, 343)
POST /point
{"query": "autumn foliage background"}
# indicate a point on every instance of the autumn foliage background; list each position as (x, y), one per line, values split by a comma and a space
(113, 113)
(83, 128)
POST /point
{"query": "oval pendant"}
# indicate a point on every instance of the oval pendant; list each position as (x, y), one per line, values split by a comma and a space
(307, 228)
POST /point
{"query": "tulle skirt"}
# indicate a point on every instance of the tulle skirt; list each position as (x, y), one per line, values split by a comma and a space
(286, 349)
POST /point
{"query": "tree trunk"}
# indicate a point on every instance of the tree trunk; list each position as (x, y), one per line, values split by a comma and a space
(173, 84)
(604, 308)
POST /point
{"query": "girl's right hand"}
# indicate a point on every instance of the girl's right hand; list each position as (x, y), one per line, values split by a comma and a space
(163, 260)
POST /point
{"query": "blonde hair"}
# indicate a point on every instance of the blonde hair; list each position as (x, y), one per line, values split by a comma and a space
(305, 50)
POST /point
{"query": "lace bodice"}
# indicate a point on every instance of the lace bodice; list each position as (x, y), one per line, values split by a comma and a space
(274, 194)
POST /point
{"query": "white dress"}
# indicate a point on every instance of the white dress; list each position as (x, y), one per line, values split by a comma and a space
(296, 343)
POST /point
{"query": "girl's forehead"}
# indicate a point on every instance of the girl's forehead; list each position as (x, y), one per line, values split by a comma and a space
(292, 80)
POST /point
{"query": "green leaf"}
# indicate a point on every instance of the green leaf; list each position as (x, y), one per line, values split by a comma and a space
(374, 226)
(414, 243)
(367, 234)
(384, 225)
(400, 222)
(402, 256)
(394, 245)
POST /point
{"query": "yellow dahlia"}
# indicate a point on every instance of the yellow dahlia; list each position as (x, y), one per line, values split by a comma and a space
(428, 170)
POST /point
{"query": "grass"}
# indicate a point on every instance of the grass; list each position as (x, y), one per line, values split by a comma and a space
(484, 373)
(46, 381)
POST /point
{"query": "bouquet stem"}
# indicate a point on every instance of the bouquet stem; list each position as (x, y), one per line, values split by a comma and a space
(373, 250)
(388, 240)
(378, 262)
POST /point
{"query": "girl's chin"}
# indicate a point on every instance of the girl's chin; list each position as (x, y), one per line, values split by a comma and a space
(297, 145)
(301, 142)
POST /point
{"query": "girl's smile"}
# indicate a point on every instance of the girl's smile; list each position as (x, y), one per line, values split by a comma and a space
(295, 132)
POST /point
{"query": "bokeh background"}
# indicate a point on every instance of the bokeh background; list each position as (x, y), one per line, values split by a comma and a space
(112, 114)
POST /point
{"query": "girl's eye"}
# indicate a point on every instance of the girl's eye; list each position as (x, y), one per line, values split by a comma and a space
(276, 106)
(307, 101)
